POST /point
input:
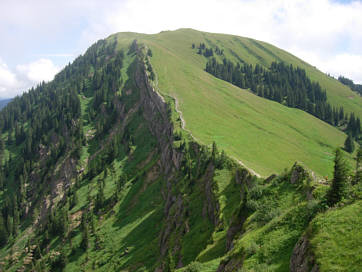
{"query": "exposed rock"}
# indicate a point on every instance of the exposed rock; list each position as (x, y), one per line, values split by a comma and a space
(270, 178)
(302, 260)
(230, 265)
(298, 174)
(211, 206)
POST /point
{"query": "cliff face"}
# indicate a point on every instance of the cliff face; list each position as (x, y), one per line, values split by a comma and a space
(302, 259)
(172, 162)
(155, 112)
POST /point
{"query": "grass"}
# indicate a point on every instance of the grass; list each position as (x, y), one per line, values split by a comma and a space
(336, 237)
(265, 135)
(271, 231)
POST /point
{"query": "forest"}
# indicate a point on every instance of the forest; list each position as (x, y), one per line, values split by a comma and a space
(284, 84)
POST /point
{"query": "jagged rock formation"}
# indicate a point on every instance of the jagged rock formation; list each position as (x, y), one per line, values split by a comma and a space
(302, 260)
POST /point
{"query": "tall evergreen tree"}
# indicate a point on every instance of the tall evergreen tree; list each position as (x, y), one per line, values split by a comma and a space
(358, 177)
(3, 232)
(337, 188)
(349, 144)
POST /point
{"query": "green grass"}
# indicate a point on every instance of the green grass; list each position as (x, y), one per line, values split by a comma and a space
(265, 135)
(270, 233)
(335, 238)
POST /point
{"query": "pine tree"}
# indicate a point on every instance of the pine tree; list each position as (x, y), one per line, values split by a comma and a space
(349, 144)
(85, 233)
(3, 232)
(337, 188)
(149, 52)
(214, 152)
(358, 176)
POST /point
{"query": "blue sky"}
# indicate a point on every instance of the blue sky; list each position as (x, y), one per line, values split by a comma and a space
(39, 37)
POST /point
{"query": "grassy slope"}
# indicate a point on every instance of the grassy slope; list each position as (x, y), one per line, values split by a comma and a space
(265, 135)
(336, 238)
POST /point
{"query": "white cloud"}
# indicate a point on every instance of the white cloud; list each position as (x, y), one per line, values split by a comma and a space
(25, 76)
(7, 78)
(8, 81)
(351, 65)
(326, 33)
(61, 55)
(328, 30)
(39, 70)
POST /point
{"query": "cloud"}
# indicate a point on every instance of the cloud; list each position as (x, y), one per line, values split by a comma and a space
(326, 30)
(25, 76)
(8, 81)
(325, 33)
(62, 55)
(39, 70)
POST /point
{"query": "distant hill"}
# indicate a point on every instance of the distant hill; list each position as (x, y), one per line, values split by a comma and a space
(354, 87)
(4, 102)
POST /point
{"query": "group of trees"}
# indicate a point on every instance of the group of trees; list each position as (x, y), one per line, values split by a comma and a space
(208, 52)
(342, 178)
(354, 87)
(287, 85)
(45, 123)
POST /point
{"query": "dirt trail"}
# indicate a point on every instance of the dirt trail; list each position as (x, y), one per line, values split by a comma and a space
(183, 126)
(183, 122)
(249, 169)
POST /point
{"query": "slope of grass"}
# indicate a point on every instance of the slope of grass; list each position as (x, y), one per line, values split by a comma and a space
(280, 214)
(265, 135)
(336, 238)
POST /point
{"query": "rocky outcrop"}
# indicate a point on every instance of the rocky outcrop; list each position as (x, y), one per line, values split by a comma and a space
(244, 179)
(298, 174)
(230, 265)
(211, 206)
(155, 111)
(302, 260)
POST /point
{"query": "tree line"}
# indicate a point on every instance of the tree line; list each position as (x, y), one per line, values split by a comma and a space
(45, 124)
(354, 87)
(287, 85)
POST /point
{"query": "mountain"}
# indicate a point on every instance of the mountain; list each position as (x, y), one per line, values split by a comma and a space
(138, 157)
(4, 102)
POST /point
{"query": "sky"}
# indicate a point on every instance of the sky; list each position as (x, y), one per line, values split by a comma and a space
(39, 37)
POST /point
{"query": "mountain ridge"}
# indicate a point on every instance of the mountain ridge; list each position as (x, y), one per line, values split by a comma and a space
(99, 174)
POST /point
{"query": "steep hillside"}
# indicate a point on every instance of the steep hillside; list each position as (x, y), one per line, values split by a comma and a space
(119, 164)
(249, 128)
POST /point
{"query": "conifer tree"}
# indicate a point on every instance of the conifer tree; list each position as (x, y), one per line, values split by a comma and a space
(358, 177)
(337, 188)
(349, 144)
(85, 233)
(3, 232)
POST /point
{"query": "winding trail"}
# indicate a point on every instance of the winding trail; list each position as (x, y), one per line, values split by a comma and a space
(183, 126)
(248, 168)
(183, 122)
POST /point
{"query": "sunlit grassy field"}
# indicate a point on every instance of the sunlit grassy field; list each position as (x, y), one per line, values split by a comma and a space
(264, 135)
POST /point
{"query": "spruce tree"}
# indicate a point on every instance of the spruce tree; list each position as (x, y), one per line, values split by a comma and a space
(337, 188)
(3, 232)
(349, 144)
(358, 177)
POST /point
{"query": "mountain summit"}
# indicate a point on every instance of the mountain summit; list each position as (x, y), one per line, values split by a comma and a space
(182, 151)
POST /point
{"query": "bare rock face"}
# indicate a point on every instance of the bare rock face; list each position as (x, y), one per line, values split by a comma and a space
(298, 174)
(302, 260)
(230, 265)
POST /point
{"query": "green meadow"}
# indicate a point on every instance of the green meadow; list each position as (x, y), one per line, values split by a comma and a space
(266, 136)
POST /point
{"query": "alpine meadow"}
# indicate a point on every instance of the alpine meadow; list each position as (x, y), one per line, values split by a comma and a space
(183, 151)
